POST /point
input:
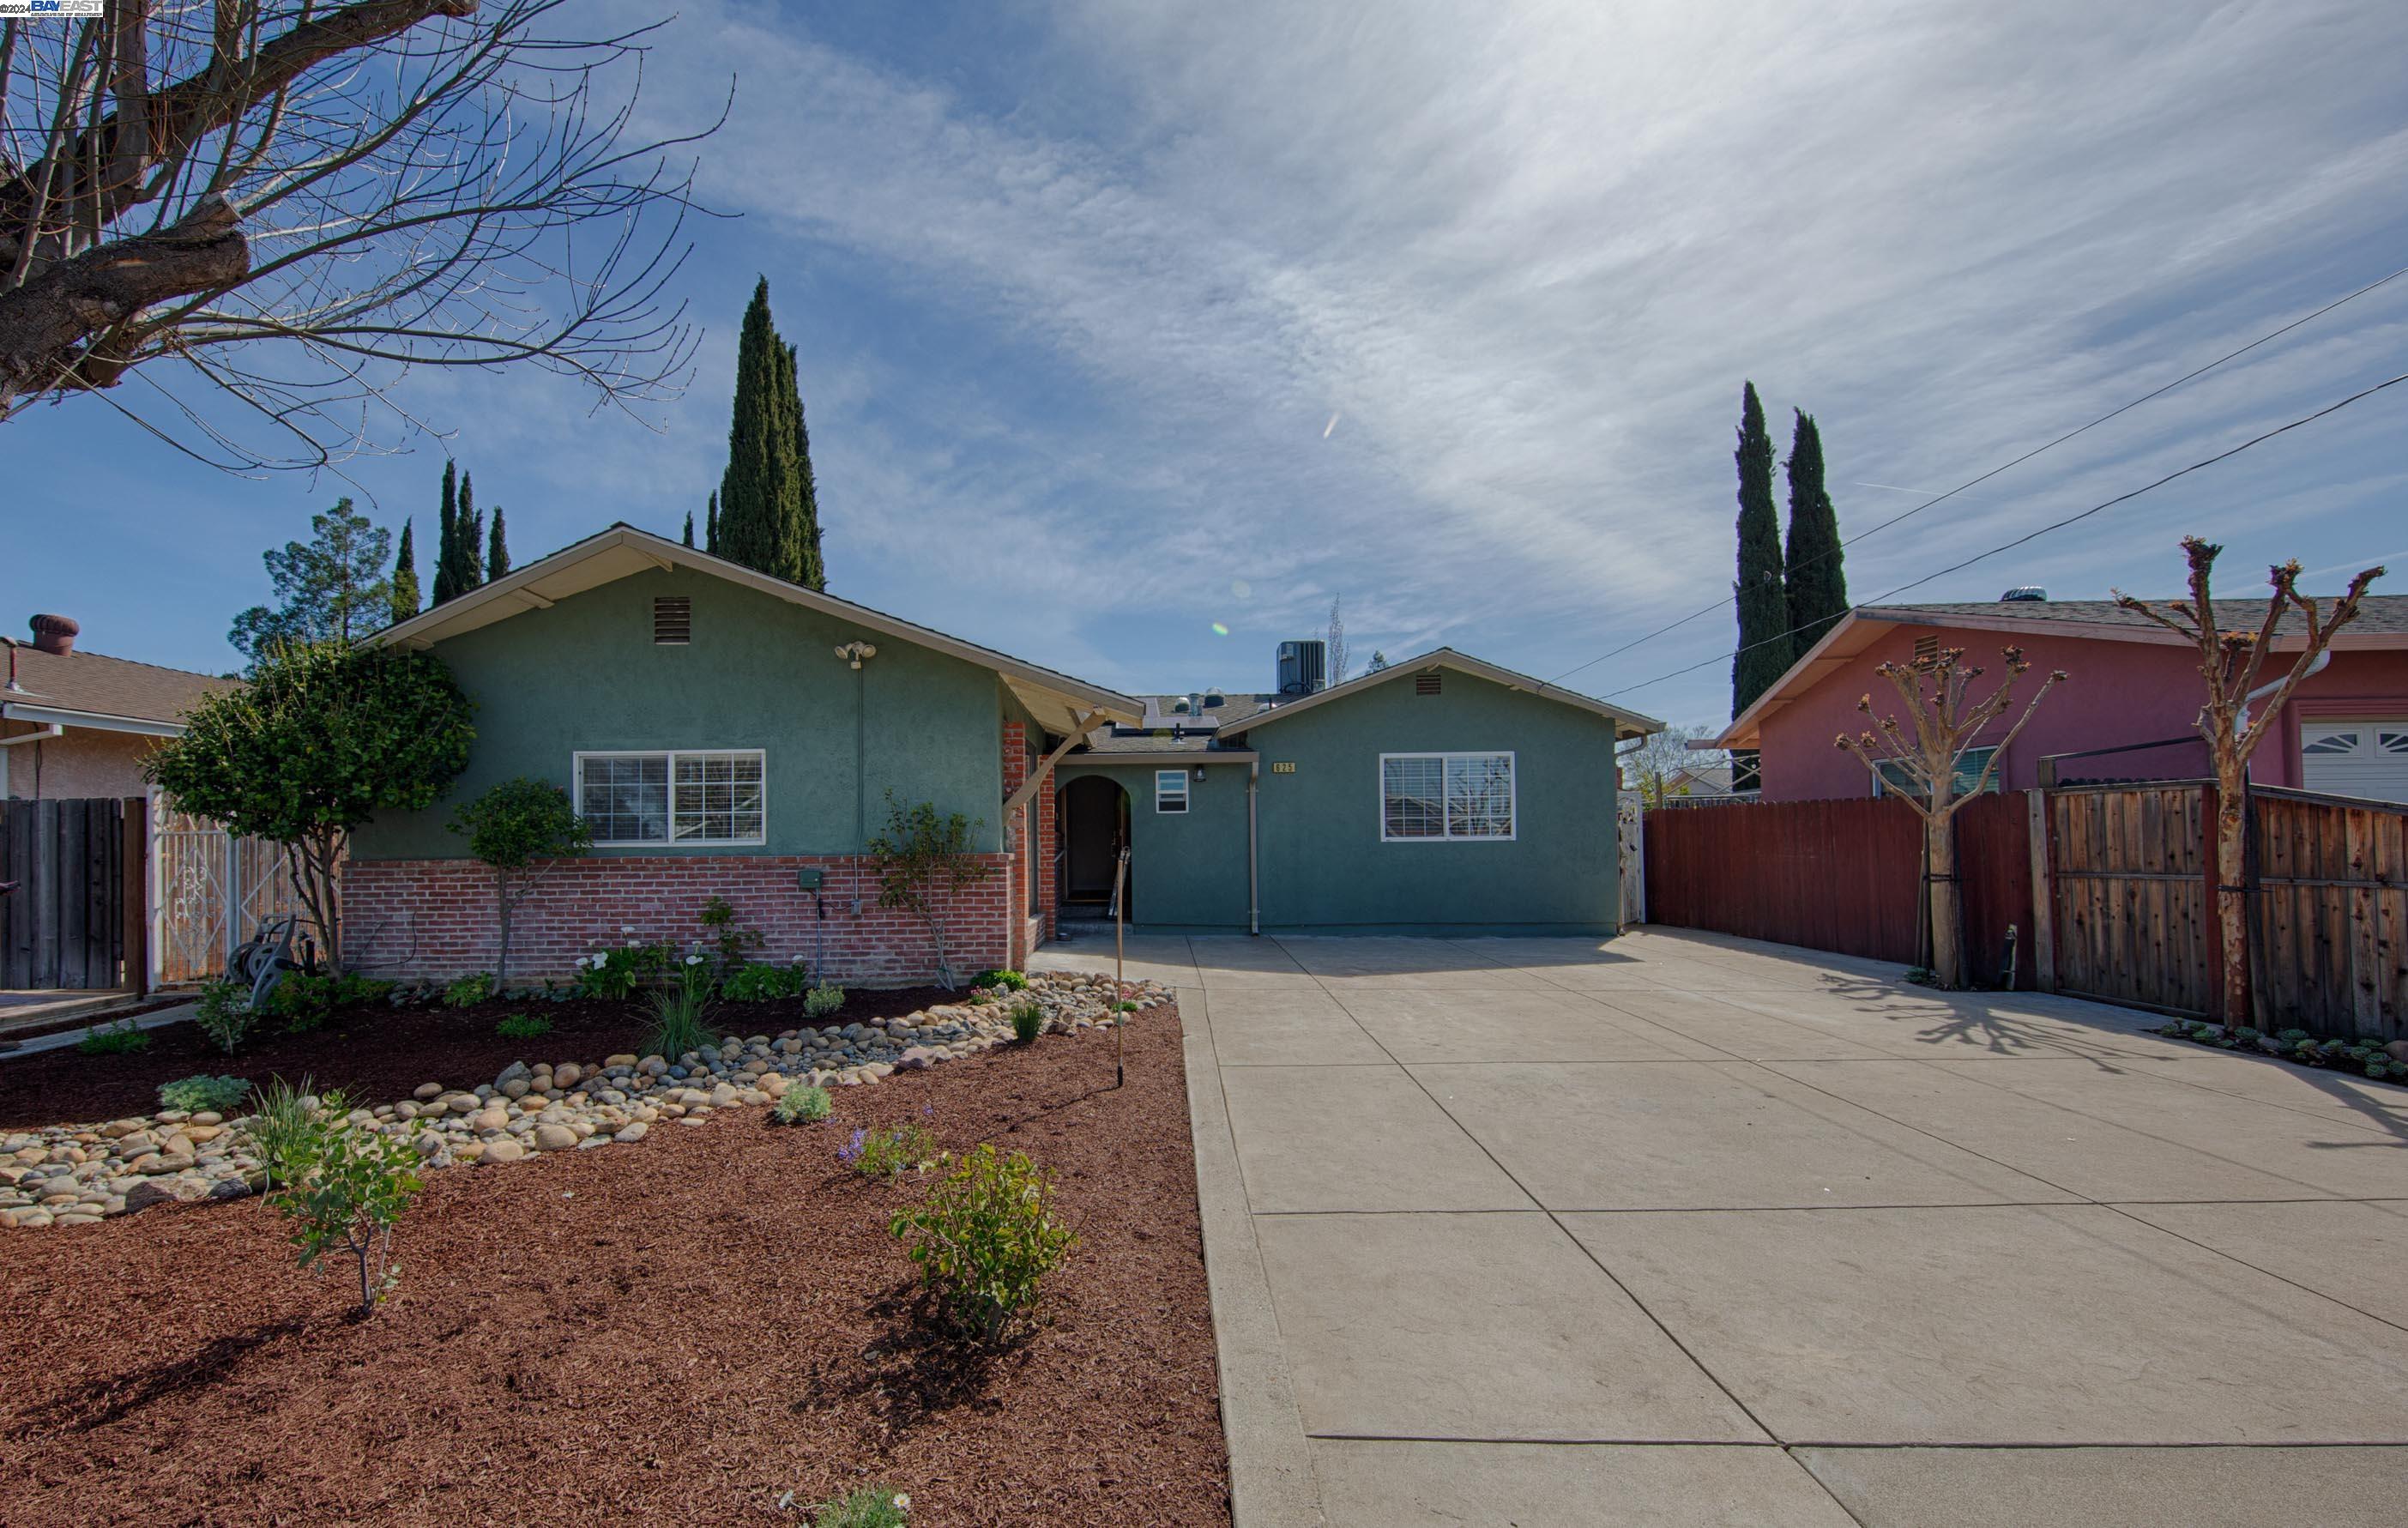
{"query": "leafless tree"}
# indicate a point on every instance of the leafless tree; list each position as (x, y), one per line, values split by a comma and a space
(2231, 662)
(1338, 657)
(1656, 768)
(1947, 723)
(300, 201)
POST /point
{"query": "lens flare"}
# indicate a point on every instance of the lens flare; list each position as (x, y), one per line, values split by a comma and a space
(1220, 630)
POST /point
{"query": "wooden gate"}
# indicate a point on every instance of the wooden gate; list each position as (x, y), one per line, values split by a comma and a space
(2328, 925)
(2130, 914)
(209, 892)
(67, 924)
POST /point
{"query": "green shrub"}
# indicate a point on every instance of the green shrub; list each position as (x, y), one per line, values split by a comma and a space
(679, 1009)
(116, 1040)
(217, 1095)
(1005, 978)
(761, 982)
(522, 830)
(226, 1014)
(345, 1187)
(522, 1025)
(1125, 1006)
(803, 1106)
(718, 915)
(469, 990)
(822, 1000)
(871, 1506)
(615, 972)
(1028, 1022)
(888, 1153)
(303, 1002)
(281, 1121)
(985, 1237)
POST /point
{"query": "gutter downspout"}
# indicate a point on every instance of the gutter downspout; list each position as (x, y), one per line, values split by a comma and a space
(39, 734)
(1254, 894)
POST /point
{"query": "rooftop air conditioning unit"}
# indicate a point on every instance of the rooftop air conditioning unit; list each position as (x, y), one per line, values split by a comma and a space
(1303, 667)
(2022, 592)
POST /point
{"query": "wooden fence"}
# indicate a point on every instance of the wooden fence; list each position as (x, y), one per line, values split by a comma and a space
(2110, 889)
(75, 919)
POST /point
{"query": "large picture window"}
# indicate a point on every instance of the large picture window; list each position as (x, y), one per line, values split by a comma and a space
(674, 797)
(1439, 797)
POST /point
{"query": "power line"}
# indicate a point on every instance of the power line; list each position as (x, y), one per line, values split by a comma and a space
(1972, 482)
(2035, 535)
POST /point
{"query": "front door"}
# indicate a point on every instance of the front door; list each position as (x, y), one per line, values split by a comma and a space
(1095, 815)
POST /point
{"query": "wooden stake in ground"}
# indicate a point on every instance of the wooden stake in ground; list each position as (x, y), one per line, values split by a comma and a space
(1120, 982)
(1947, 723)
(2230, 661)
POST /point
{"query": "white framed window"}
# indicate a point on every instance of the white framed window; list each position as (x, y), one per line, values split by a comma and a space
(675, 796)
(1891, 779)
(1170, 790)
(1435, 797)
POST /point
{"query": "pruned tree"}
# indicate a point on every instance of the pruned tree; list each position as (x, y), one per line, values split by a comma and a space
(297, 201)
(1654, 769)
(522, 830)
(1920, 762)
(2231, 661)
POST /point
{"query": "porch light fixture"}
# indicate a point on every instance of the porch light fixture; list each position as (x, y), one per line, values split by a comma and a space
(853, 652)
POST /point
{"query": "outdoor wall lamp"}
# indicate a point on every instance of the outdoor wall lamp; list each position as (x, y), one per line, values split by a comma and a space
(853, 652)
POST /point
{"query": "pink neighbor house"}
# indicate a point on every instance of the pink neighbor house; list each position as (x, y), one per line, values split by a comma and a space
(2129, 682)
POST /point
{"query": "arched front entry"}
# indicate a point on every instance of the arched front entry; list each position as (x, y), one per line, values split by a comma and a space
(1094, 815)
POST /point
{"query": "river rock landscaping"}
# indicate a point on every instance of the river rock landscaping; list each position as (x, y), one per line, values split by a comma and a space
(75, 1175)
(696, 1329)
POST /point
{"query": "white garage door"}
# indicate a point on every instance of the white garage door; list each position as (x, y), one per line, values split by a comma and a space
(2357, 759)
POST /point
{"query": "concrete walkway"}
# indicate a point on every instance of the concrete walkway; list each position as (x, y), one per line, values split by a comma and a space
(1685, 1229)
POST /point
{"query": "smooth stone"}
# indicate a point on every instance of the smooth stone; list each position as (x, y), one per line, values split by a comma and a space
(636, 1131)
(148, 1192)
(554, 1137)
(426, 1091)
(503, 1150)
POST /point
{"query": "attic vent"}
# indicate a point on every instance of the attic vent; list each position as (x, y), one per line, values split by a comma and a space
(1927, 648)
(1426, 683)
(672, 619)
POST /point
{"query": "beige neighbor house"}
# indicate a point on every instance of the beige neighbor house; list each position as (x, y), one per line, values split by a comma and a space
(78, 725)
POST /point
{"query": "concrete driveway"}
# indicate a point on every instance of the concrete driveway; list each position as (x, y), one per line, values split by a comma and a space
(1685, 1229)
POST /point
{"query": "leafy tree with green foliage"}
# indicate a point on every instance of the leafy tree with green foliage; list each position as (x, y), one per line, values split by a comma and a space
(520, 829)
(405, 576)
(768, 510)
(332, 589)
(1763, 606)
(1815, 582)
(922, 857)
(1379, 663)
(497, 551)
(689, 527)
(984, 1239)
(323, 738)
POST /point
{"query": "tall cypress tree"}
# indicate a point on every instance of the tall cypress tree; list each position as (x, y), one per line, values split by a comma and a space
(1816, 584)
(763, 497)
(498, 550)
(464, 561)
(1764, 650)
(405, 576)
(710, 529)
(448, 532)
(814, 567)
(689, 527)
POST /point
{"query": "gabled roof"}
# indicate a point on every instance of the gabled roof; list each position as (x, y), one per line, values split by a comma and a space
(111, 695)
(1058, 700)
(2382, 623)
(1626, 724)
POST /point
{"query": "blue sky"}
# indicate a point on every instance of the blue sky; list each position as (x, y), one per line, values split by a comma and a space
(1080, 289)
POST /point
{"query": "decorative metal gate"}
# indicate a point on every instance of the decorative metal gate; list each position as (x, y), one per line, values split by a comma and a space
(1630, 834)
(209, 891)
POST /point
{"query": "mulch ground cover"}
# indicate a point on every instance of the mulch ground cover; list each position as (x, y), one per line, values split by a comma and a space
(378, 1052)
(679, 1331)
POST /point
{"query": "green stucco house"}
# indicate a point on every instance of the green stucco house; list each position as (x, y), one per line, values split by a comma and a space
(726, 733)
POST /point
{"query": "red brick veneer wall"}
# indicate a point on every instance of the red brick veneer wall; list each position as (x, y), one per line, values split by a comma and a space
(418, 918)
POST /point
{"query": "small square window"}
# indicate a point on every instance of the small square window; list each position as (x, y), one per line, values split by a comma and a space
(1170, 790)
